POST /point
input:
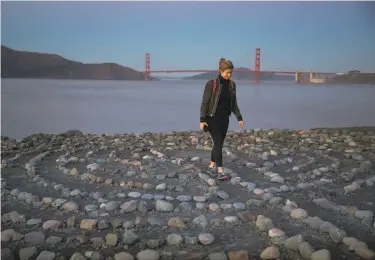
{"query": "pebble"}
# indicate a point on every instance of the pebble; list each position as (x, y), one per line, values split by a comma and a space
(275, 232)
(148, 255)
(206, 239)
(322, 254)
(306, 250)
(299, 214)
(271, 252)
(238, 255)
(46, 255)
(164, 206)
(27, 253)
(293, 243)
(217, 256)
(123, 256)
(337, 234)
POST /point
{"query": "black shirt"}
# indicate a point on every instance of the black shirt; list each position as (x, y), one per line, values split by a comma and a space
(223, 107)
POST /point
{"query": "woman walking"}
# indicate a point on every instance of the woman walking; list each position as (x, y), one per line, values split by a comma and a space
(219, 101)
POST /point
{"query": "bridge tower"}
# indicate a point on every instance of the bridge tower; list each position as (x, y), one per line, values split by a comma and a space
(147, 67)
(257, 66)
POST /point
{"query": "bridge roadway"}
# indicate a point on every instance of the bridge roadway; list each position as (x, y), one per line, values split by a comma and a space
(240, 70)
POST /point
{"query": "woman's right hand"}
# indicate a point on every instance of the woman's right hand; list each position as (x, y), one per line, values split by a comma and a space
(201, 125)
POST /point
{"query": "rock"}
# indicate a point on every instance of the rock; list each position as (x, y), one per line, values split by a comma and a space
(33, 222)
(271, 252)
(246, 217)
(349, 241)
(326, 226)
(35, 238)
(130, 238)
(337, 234)
(217, 256)
(129, 206)
(164, 206)
(361, 214)
(7, 254)
(176, 222)
(263, 223)
(278, 179)
(184, 255)
(123, 256)
(275, 232)
(313, 222)
(155, 243)
(111, 240)
(77, 256)
(27, 253)
(299, 213)
(306, 250)
(200, 221)
(71, 206)
(206, 239)
(51, 224)
(364, 252)
(7, 235)
(293, 243)
(222, 195)
(322, 254)
(238, 255)
(46, 255)
(174, 239)
(357, 244)
(231, 219)
(89, 224)
(148, 255)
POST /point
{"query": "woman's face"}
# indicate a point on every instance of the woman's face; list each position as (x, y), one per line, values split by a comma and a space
(226, 74)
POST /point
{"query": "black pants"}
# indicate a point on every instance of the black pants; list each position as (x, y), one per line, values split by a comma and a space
(218, 128)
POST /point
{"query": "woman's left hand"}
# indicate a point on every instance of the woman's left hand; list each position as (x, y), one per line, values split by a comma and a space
(240, 123)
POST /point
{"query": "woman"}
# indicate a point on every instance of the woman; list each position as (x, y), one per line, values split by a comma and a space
(219, 101)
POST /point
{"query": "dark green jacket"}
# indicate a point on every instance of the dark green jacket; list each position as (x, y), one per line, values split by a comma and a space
(211, 99)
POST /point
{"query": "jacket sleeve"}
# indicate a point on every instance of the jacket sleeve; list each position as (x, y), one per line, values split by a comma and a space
(205, 101)
(235, 109)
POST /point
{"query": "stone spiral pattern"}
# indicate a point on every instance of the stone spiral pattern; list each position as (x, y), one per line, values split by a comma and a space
(292, 195)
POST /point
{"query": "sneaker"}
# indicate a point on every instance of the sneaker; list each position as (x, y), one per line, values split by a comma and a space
(222, 177)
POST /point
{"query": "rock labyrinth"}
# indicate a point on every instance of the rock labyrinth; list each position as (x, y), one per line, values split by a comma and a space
(293, 195)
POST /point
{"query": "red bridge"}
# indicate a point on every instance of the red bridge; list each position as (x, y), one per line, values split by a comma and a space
(256, 70)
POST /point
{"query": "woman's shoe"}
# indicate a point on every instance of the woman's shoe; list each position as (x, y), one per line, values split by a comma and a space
(222, 177)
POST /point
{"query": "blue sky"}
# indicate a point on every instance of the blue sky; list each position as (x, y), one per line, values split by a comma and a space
(321, 36)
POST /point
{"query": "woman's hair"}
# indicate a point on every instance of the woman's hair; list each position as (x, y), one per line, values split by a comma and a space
(225, 64)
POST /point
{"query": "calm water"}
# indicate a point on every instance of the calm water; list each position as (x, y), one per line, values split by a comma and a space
(50, 106)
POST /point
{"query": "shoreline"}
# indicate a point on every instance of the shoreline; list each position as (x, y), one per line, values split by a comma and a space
(292, 194)
(284, 130)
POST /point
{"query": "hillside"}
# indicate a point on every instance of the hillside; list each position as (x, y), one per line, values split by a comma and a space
(23, 64)
(244, 76)
(353, 78)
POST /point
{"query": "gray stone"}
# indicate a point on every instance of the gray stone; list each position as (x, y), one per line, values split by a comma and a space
(46, 255)
(148, 255)
(35, 238)
(164, 206)
(217, 256)
(206, 239)
(27, 253)
(130, 238)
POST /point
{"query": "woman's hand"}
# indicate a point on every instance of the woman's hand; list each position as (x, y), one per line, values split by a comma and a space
(240, 123)
(201, 125)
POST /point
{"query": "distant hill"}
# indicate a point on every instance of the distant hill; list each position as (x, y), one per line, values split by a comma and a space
(240, 75)
(23, 64)
(354, 77)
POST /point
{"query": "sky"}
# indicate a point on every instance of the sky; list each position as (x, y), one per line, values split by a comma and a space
(317, 36)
